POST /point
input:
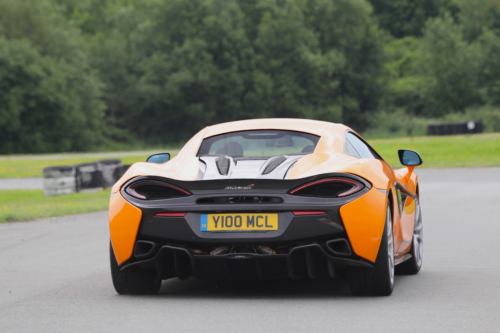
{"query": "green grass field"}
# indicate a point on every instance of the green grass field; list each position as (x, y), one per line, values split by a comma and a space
(21, 205)
(480, 150)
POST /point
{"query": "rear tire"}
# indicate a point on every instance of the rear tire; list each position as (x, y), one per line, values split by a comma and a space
(379, 280)
(133, 280)
(412, 266)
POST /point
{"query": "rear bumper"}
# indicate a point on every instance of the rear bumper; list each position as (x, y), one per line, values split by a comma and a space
(348, 218)
(302, 261)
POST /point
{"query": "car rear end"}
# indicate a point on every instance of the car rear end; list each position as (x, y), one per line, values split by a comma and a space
(238, 228)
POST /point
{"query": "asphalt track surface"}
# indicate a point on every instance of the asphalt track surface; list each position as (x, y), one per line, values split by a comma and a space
(21, 184)
(54, 277)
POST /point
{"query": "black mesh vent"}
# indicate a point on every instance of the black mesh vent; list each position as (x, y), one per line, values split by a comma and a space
(239, 200)
(327, 189)
(274, 164)
(157, 192)
(223, 165)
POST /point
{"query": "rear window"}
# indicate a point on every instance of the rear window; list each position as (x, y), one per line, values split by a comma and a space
(259, 143)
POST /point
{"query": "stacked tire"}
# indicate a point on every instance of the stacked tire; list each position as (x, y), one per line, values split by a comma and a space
(471, 127)
(86, 177)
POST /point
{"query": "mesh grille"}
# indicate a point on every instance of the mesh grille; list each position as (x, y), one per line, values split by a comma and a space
(239, 200)
(329, 189)
(274, 164)
(157, 192)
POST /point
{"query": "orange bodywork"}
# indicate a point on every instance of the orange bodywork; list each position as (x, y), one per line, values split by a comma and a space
(124, 221)
(363, 218)
(364, 223)
(407, 225)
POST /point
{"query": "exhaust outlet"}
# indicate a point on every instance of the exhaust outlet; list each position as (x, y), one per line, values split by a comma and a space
(339, 247)
(144, 249)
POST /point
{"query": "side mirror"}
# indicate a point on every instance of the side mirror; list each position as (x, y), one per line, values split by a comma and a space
(409, 157)
(159, 158)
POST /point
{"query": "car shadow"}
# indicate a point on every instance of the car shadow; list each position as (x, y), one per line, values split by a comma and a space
(256, 289)
(337, 288)
(322, 288)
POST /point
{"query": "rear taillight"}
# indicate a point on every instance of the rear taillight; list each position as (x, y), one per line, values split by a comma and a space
(308, 212)
(155, 190)
(174, 214)
(328, 188)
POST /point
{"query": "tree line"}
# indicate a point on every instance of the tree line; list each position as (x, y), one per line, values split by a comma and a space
(78, 75)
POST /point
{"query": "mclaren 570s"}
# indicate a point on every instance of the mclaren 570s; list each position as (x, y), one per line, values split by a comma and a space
(267, 199)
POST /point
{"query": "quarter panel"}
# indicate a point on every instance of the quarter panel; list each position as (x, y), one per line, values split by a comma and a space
(364, 220)
(124, 221)
(407, 224)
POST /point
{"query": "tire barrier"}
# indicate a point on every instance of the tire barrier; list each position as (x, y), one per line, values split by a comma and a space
(58, 180)
(86, 177)
(471, 127)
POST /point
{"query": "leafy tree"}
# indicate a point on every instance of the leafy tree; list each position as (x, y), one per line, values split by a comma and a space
(404, 84)
(450, 67)
(406, 17)
(211, 61)
(194, 71)
(477, 17)
(292, 75)
(77, 74)
(49, 96)
(489, 46)
(347, 33)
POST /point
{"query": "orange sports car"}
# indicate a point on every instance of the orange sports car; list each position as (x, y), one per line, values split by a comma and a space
(267, 199)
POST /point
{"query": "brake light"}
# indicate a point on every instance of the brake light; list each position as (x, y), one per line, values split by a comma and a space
(155, 190)
(175, 214)
(328, 188)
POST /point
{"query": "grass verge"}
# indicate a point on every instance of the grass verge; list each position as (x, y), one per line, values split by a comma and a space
(21, 205)
(479, 150)
(25, 168)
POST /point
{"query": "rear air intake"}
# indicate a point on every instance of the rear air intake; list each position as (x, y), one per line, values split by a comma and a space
(239, 200)
(154, 190)
(328, 188)
(339, 247)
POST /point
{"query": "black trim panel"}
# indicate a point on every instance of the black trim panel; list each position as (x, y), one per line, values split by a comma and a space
(302, 261)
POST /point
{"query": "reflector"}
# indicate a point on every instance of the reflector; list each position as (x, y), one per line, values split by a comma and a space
(308, 212)
(175, 214)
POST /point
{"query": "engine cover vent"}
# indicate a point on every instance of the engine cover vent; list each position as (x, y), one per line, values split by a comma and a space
(223, 164)
(274, 164)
